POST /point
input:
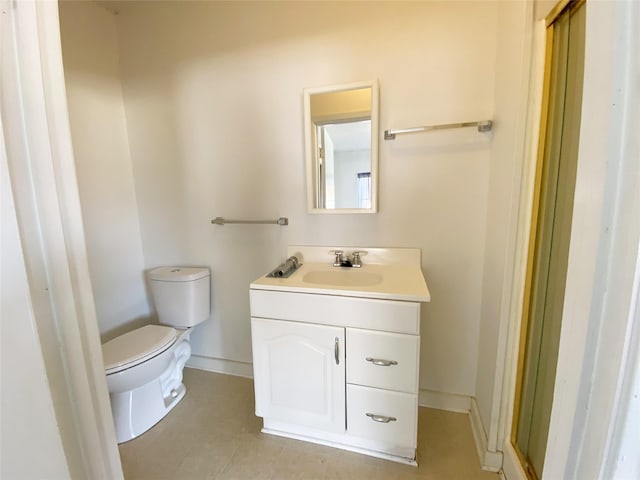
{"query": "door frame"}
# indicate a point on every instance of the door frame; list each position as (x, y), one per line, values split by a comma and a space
(44, 184)
(597, 371)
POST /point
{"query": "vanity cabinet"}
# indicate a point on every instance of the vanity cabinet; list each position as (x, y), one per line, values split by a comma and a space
(339, 371)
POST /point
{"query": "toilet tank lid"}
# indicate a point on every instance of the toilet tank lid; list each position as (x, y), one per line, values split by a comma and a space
(178, 274)
(136, 345)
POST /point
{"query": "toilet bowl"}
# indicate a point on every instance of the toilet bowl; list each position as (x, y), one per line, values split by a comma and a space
(144, 366)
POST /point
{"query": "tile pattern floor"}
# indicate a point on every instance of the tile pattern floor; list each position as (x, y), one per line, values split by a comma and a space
(214, 434)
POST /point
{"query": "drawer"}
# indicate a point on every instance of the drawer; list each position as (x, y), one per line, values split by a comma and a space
(373, 314)
(383, 359)
(382, 415)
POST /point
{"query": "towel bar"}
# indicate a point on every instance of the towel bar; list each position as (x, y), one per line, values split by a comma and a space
(279, 221)
(483, 126)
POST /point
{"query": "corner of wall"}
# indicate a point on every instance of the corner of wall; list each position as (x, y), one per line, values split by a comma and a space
(450, 402)
(221, 365)
(489, 460)
(516, 80)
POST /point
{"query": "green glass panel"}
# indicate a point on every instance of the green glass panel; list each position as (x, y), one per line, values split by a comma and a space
(553, 236)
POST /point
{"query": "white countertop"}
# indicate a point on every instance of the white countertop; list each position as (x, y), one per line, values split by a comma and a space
(399, 282)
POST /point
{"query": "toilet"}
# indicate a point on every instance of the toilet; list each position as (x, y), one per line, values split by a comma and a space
(144, 366)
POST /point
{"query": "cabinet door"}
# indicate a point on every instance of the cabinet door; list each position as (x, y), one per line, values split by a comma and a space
(299, 373)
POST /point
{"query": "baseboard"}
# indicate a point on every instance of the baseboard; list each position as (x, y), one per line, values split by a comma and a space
(479, 435)
(490, 461)
(451, 402)
(511, 467)
(221, 365)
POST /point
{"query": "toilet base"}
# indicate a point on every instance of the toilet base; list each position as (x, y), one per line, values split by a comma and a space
(136, 411)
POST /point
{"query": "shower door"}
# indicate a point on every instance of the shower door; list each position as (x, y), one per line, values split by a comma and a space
(551, 231)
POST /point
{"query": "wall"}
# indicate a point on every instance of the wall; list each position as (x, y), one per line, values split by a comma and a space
(214, 111)
(105, 180)
(214, 121)
(347, 166)
(506, 162)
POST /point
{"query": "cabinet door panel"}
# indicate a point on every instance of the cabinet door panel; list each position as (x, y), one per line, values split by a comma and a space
(299, 373)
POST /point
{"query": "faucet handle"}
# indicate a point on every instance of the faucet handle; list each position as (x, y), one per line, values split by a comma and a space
(357, 262)
(338, 254)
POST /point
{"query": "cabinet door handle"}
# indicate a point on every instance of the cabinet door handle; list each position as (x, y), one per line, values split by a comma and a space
(381, 418)
(381, 362)
(336, 351)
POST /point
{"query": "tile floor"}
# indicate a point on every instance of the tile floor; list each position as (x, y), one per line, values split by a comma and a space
(214, 434)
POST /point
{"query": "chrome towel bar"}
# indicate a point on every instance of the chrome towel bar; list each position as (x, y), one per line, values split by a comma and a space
(279, 221)
(483, 126)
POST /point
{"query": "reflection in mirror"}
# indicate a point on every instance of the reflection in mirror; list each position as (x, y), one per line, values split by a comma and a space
(341, 143)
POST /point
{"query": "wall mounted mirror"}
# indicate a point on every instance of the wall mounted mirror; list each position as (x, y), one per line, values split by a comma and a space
(341, 142)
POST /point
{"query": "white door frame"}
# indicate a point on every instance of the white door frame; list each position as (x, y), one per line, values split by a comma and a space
(44, 184)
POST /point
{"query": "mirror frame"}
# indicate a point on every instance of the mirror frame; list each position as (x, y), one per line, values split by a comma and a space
(310, 142)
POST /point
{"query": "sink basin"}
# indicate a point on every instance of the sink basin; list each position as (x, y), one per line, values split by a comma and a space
(342, 278)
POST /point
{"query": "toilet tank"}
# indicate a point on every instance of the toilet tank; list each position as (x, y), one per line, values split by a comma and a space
(181, 295)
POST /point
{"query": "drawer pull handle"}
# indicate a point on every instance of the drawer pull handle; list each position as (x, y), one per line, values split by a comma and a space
(381, 362)
(381, 418)
(336, 350)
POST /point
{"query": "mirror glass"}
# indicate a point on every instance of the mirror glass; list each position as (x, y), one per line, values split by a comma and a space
(341, 139)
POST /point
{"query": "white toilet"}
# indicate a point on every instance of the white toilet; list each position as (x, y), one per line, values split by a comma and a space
(144, 366)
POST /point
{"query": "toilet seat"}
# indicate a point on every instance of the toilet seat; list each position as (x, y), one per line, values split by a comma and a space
(136, 347)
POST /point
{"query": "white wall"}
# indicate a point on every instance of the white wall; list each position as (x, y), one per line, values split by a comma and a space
(213, 98)
(103, 165)
(347, 166)
(506, 162)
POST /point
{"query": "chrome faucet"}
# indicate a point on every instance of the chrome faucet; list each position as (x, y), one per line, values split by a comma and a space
(344, 261)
